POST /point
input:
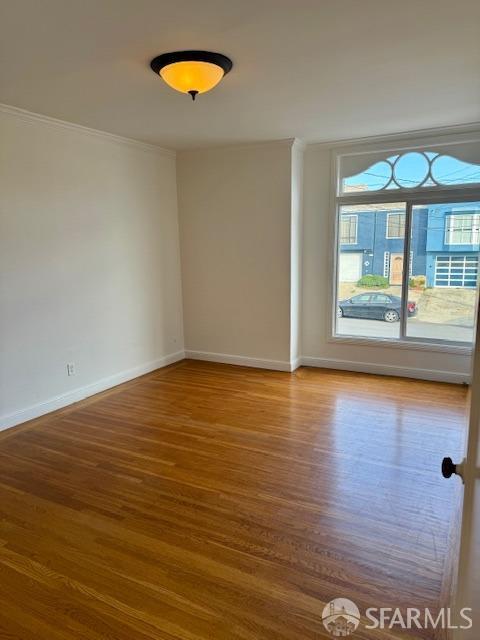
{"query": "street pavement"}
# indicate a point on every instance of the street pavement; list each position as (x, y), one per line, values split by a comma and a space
(415, 329)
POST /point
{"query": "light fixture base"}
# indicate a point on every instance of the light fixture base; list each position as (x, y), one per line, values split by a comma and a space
(164, 59)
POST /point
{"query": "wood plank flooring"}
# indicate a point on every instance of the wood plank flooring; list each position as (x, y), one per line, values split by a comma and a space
(212, 501)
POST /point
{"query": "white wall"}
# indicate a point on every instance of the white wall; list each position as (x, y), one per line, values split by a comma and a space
(255, 229)
(235, 231)
(89, 263)
(317, 279)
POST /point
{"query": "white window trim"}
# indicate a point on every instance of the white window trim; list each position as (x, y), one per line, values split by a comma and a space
(393, 213)
(350, 215)
(393, 144)
(411, 344)
(475, 238)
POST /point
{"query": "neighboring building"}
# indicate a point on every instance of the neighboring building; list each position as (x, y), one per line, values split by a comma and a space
(444, 247)
(452, 245)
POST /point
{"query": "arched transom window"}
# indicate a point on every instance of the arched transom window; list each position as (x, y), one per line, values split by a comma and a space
(408, 244)
(434, 168)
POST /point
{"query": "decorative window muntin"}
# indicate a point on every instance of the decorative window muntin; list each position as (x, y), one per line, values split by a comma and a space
(435, 167)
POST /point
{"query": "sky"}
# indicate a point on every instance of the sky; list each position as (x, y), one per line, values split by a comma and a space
(411, 170)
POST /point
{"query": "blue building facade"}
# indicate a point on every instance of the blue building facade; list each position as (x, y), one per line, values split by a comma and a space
(444, 247)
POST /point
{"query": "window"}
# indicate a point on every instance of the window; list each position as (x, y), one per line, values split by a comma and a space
(395, 225)
(462, 228)
(348, 229)
(443, 285)
(413, 272)
(440, 167)
(362, 272)
(361, 299)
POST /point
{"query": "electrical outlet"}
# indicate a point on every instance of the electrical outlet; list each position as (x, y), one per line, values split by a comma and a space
(70, 368)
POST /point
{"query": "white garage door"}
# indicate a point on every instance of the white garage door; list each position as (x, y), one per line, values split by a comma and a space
(350, 266)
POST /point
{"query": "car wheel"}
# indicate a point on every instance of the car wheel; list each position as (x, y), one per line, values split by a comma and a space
(391, 316)
(339, 312)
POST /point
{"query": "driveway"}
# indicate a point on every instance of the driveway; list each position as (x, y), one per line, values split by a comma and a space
(415, 329)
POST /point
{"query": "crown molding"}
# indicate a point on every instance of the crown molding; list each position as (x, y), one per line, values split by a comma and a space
(471, 128)
(243, 146)
(30, 116)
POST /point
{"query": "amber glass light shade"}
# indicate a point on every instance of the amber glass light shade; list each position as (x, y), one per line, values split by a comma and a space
(192, 76)
(191, 72)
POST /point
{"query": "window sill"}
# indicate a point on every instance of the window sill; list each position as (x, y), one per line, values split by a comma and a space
(403, 344)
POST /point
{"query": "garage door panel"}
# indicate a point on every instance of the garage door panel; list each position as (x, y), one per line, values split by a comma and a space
(456, 271)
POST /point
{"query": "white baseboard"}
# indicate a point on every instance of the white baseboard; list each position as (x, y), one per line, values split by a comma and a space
(63, 400)
(330, 363)
(387, 370)
(244, 361)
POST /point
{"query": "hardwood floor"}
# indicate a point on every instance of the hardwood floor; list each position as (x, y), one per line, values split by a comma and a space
(211, 501)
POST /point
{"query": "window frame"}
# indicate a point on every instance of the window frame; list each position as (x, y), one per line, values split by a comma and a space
(349, 215)
(449, 231)
(411, 198)
(395, 213)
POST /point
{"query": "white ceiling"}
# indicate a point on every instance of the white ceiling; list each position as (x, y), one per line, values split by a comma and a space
(313, 69)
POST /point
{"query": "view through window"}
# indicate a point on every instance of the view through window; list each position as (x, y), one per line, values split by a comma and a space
(370, 272)
(443, 285)
(437, 264)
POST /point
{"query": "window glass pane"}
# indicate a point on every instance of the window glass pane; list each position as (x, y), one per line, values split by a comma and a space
(444, 271)
(395, 225)
(462, 227)
(370, 270)
(446, 166)
(348, 229)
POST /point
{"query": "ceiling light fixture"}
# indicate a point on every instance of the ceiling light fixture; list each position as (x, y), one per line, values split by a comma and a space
(191, 72)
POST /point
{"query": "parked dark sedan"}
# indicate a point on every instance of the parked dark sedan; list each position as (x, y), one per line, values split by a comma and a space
(376, 306)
